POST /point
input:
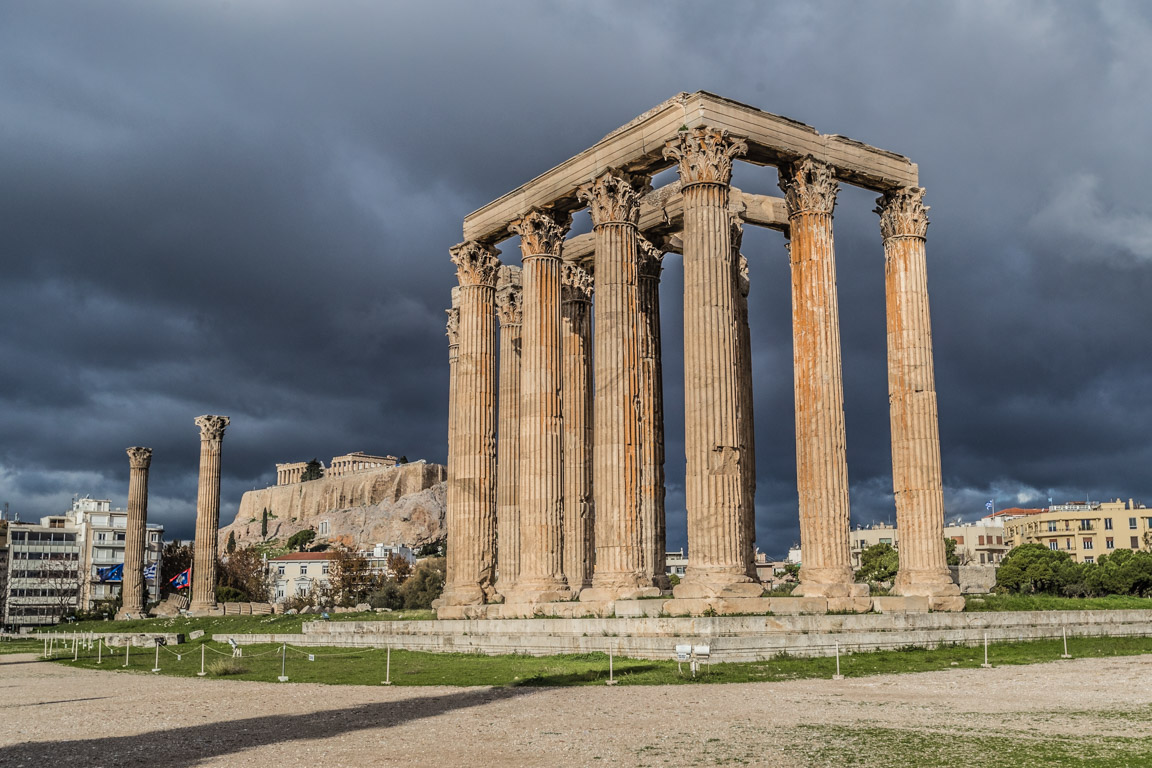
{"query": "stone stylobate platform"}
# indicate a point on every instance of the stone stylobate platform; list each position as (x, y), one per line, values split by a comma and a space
(566, 497)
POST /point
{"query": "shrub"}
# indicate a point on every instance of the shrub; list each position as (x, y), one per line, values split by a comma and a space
(425, 584)
(222, 667)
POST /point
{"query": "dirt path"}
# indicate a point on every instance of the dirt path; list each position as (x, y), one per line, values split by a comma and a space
(53, 715)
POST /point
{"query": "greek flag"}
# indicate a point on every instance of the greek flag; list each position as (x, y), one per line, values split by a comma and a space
(988, 504)
(150, 571)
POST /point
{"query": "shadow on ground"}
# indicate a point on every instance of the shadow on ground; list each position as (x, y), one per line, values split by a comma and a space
(189, 746)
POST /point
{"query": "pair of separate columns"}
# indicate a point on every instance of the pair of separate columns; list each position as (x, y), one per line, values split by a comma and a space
(810, 190)
(133, 590)
(207, 514)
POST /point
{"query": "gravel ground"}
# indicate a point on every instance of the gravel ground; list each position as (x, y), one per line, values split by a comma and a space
(52, 715)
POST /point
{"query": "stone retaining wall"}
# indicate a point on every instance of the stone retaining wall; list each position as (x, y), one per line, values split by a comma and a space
(732, 638)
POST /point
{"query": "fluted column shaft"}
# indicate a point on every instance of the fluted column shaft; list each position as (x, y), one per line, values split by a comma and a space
(576, 396)
(620, 568)
(652, 415)
(472, 477)
(207, 513)
(916, 474)
(821, 460)
(541, 576)
(747, 416)
(133, 591)
(717, 534)
(510, 311)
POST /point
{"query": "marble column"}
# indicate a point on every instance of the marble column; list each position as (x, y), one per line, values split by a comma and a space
(821, 464)
(576, 399)
(510, 310)
(472, 488)
(452, 330)
(133, 590)
(747, 417)
(717, 545)
(651, 260)
(620, 562)
(541, 576)
(207, 514)
(916, 475)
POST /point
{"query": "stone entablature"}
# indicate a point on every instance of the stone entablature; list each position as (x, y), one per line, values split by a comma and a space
(700, 216)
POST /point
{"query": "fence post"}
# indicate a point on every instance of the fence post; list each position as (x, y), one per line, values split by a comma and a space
(986, 665)
(201, 673)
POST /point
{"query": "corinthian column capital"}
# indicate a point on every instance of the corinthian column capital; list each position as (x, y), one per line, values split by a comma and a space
(139, 458)
(453, 326)
(510, 304)
(576, 283)
(650, 258)
(212, 427)
(614, 198)
(705, 155)
(809, 186)
(903, 213)
(542, 233)
(476, 263)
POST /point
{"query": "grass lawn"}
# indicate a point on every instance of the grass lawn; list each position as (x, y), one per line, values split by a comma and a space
(1055, 603)
(277, 624)
(367, 666)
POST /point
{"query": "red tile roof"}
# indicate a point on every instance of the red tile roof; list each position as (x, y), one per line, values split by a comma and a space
(304, 556)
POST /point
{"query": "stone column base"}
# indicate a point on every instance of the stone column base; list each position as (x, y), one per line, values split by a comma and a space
(814, 586)
(547, 592)
(702, 584)
(609, 594)
(924, 584)
(467, 595)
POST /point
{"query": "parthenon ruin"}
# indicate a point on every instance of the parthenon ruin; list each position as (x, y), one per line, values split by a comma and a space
(349, 463)
(562, 496)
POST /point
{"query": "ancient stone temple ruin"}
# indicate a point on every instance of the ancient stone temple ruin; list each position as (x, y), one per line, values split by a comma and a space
(556, 456)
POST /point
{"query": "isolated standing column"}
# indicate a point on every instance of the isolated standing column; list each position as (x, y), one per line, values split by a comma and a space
(576, 395)
(821, 461)
(541, 576)
(916, 475)
(510, 310)
(207, 514)
(717, 538)
(133, 590)
(472, 485)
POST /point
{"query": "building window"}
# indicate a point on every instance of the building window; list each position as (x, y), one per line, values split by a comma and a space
(1051, 525)
(323, 528)
(1132, 523)
(1109, 543)
(999, 539)
(154, 537)
(1053, 544)
(324, 569)
(1135, 542)
(1108, 524)
(1085, 525)
(303, 569)
(981, 544)
(1067, 543)
(981, 558)
(1089, 559)
(958, 539)
(280, 570)
(101, 536)
(1087, 543)
(119, 537)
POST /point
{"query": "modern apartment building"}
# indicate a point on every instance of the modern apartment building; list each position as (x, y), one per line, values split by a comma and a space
(104, 533)
(1084, 529)
(980, 543)
(44, 572)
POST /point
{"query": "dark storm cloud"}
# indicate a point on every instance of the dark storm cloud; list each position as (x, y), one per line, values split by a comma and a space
(245, 208)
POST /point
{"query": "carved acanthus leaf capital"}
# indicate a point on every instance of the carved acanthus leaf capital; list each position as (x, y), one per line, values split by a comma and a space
(576, 283)
(650, 258)
(139, 458)
(903, 213)
(542, 233)
(809, 186)
(453, 326)
(614, 198)
(476, 263)
(705, 155)
(212, 427)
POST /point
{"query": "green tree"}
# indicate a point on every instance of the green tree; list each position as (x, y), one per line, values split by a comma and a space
(243, 571)
(230, 547)
(399, 568)
(878, 562)
(1033, 568)
(350, 578)
(312, 471)
(301, 539)
(177, 558)
(264, 525)
(425, 584)
(950, 551)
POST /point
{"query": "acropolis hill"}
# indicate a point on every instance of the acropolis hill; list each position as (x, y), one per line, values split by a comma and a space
(403, 504)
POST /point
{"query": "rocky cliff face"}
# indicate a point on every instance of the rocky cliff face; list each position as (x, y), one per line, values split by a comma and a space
(403, 504)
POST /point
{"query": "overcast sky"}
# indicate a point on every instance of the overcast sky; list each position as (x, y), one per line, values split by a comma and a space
(245, 208)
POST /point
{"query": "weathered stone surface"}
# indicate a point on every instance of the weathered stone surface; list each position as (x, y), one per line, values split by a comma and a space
(900, 604)
(207, 514)
(689, 606)
(797, 605)
(852, 604)
(733, 606)
(950, 603)
(636, 608)
(403, 504)
(974, 579)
